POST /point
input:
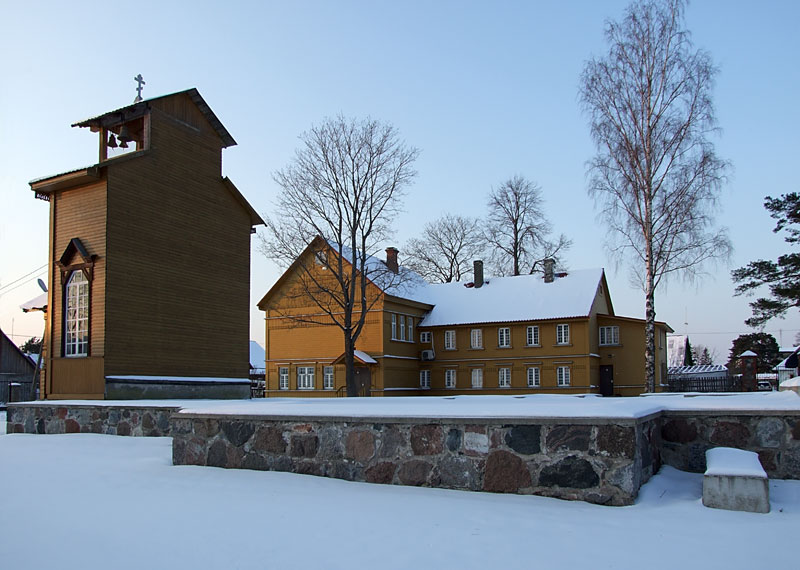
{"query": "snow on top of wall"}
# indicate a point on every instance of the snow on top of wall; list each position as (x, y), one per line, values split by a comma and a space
(516, 298)
(727, 461)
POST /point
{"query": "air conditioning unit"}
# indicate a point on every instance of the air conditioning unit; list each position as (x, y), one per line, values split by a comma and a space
(428, 355)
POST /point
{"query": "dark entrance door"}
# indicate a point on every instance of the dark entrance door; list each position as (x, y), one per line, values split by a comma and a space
(363, 380)
(607, 380)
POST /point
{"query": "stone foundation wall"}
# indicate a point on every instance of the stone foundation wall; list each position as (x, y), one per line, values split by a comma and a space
(128, 420)
(602, 463)
(775, 437)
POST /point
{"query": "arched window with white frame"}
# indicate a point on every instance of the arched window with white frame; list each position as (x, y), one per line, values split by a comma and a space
(76, 315)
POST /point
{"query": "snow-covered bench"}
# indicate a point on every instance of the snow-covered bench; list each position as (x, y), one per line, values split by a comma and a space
(735, 480)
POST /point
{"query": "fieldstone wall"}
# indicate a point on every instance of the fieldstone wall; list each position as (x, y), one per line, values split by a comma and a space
(775, 437)
(598, 461)
(128, 420)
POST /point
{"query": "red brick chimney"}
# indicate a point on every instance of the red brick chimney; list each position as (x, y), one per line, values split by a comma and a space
(391, 259)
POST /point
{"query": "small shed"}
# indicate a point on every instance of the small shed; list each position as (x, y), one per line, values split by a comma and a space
(16, 370)
(788, 367)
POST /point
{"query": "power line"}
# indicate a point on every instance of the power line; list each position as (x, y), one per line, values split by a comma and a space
(34, 272)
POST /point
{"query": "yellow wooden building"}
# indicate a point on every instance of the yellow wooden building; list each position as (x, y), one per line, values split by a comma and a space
(508, 335)
(149, 259)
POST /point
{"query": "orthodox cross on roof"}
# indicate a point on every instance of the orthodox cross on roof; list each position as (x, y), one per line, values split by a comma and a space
(138, 79)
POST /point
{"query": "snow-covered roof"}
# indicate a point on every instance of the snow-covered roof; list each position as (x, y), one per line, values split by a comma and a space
(38, 303)
(791, 382)
(507, 299)
(788, 363)
(364, 357)
(258, 356)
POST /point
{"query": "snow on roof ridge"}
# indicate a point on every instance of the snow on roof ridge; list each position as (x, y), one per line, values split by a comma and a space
(513, 298)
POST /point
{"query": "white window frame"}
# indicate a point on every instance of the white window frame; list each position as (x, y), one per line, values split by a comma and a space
(283, 378)
(425, 379)
(327, 378)
(609, 336)
(394, 326)
(76, 316)
(532, 335)
(450, 378)
(504, 337)
(425, 336)
(504, 377)
(402, 327)
(305, 377)
(563, 376)
(410, 325)
(450, 340)
(534, 377)
(476, 338)
(562, 333)
(476, 378)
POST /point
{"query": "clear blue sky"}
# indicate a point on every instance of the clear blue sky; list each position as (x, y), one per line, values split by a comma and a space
(484, 90)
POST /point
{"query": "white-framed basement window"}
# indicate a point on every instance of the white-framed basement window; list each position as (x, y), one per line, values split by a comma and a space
(562, 374)
(477, 377)
(327, 378)
(305, 377)
(450, 378)
(283, 378)
(424, 378)
(76, 316)
(533, 377)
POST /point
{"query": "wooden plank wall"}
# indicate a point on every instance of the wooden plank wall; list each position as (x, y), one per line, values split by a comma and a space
(179, 275)
(77, 213)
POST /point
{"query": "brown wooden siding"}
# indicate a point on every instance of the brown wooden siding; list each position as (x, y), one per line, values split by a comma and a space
(179, 249)
(77, 213)
(76, 378)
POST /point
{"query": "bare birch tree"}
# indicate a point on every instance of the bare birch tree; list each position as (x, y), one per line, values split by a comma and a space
(517, 230)
(341, 191)
(446, 249)
(655, 176)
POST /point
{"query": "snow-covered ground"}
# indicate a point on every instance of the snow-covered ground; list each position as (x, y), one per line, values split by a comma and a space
(96, 501)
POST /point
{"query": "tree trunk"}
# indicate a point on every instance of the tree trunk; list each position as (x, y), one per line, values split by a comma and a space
(349, 364)
(650, 323)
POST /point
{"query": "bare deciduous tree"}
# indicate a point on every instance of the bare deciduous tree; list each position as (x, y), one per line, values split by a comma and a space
(343, 185)
(655, 175)
(517, 230)
(446, 249)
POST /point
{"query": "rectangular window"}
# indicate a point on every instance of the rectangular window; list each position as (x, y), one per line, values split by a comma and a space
(424, 378)
(533, 377)
(533, 336)
(562, 334)
(476, 338)
(562, 373)
(402, 327)
(394, 326)
(609, 336)
(450, 378)
(283, 378)
(305, 377)
(504, 379)
(425, 336)
(327, 378)
(449, 340)
(410, 324)
(504, 337)
(477, 377)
